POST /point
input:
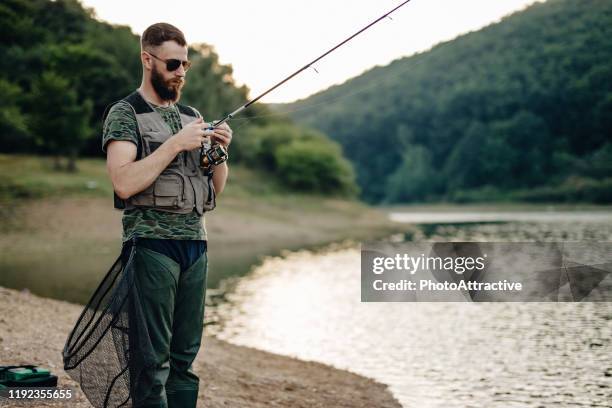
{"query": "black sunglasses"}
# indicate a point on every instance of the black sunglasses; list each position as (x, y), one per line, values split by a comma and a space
(173, 64)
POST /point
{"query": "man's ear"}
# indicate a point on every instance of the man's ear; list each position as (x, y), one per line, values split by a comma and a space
(147, 60)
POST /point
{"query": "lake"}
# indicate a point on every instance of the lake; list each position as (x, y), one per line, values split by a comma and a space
(307, 305)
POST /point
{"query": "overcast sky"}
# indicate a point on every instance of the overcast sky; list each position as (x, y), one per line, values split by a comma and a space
(265, 40)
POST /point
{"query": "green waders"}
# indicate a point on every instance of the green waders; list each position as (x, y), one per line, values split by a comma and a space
(173, 305)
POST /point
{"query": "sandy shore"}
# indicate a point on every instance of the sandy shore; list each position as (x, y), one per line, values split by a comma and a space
(34, 329)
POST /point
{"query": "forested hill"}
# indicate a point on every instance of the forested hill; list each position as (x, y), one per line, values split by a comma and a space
(521, 109)
(60, 67)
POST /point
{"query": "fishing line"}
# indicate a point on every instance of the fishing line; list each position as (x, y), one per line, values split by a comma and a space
(308, 65)
(217, 153)
(333, 99)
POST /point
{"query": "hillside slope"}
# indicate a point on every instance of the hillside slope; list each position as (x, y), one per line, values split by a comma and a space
(523, 106)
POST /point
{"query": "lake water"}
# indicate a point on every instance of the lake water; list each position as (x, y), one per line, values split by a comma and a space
(307, 305)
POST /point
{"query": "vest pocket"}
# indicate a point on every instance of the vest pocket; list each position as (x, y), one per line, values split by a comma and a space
(144, 198)
(210, 197)
(169, 190)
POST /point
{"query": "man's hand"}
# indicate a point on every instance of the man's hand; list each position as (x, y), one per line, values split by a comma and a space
(222, 134)
(191, 136)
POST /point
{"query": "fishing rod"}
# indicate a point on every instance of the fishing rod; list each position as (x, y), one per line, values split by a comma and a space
(217, 153)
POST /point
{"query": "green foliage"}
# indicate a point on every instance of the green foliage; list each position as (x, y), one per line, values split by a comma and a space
(414, 179)
(312, 166)
(93, 58)
(57, 118)
(16, 23)
(573, 189)
(521, 105)
(93, 74)
(304, 159)
(13, 128)
(257, 145)
(599, 163)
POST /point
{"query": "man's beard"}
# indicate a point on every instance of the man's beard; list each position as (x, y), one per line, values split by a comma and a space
(167, 90)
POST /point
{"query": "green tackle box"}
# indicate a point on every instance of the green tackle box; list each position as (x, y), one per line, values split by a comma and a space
(26, 376)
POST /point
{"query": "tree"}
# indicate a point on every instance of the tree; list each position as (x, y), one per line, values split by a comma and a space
(58, 120)
(415, 179)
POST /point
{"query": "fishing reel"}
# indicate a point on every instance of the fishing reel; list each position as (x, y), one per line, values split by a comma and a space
(212, 154)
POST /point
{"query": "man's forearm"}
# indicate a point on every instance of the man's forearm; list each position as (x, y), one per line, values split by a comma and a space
(220, 177)
(133, 177)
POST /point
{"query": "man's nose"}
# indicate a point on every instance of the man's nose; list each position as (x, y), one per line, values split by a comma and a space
(180, 71)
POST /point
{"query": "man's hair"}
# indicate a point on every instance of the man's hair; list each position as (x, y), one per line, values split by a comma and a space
(159, 33)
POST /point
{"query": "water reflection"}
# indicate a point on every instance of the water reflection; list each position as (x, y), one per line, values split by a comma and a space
(432, 355)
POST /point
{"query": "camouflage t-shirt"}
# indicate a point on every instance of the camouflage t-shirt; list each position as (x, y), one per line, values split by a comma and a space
(120, 124)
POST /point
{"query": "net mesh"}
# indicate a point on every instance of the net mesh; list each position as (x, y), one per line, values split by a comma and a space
(109, 350)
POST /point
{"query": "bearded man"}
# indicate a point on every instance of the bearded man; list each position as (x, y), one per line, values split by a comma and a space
(152, 145)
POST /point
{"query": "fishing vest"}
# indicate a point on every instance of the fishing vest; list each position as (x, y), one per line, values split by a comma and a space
(183, 186)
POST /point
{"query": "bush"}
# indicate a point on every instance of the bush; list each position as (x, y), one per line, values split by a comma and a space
(256, 146)
(311, 165)
(303, 159)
